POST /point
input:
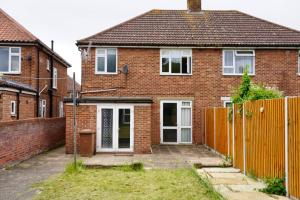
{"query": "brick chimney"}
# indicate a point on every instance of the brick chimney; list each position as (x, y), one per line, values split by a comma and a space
(194, 5)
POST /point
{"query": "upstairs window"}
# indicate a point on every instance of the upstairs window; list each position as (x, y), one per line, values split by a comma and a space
(10, 60)
(48, 64)
(236, 61)
(176, 62)
(106, 61)
(54, 78)
(42, 108)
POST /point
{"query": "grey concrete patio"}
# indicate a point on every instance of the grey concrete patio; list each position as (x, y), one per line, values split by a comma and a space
(164, 156)
(16, 183)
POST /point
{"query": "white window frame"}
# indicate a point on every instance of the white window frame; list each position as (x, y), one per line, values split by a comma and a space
(190, 54)
(61, 109)
(233, 67)
(299, 63)
(13, 108)
(55, 76)
(179, 127)
(105, 60)
(225, 101)
(9, 60)
(43, 108)
(48, 64)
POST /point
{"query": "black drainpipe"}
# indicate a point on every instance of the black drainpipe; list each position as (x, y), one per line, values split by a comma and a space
(18, 105)
(51, 84)
(38, 82)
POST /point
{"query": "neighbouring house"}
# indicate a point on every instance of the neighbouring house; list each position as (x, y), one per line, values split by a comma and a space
(147, 81)
(70, 88)
(32, 76)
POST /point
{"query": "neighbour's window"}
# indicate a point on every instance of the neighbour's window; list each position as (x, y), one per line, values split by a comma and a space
(10, 59)
(236, 61)
(55, 78)
(42, 108)
(227, 104)
(61, 109)
(106, 61)
(176, 62)
(13, 107)
(48, 64)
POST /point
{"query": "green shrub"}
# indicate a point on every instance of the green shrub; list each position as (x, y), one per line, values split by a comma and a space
(248, 91)
(137, 166)
(274, 186)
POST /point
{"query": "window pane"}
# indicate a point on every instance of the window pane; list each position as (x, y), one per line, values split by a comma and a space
(15, 64)
(186, 65)
(175, 65)
(186, 103)
(15, 50)
(111, 60)
(101, 51)
(4, 53)
(186, 117)
(165, 64)
(107, 128)
(244, 53)
(170, 135)
(228, 70)
(241, 62)
(228, 58)
(186, 134)
(170, 114)
(100, 64)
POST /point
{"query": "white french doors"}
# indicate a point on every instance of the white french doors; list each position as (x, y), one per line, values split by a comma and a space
(115, 128)
(176, 122)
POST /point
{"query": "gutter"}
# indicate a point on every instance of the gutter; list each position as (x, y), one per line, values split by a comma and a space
(38, 82)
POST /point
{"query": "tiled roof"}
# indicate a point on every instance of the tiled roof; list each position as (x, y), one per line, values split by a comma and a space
(13, 32)
(206, 28)
(16, 85)
(70, 85)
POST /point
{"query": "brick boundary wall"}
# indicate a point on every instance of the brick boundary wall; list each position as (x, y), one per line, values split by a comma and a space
(20, 140)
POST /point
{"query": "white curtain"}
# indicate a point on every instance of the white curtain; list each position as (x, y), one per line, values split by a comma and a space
(186, 135)
(186, 117)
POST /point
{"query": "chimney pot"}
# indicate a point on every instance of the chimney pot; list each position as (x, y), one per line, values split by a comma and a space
(194, 5)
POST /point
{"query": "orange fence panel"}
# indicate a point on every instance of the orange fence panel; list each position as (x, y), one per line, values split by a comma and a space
(265, 138)
(294, 146)
(209, 127)
(238, 160)
(221, 121)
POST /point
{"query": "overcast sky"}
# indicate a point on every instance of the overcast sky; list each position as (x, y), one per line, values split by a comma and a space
(66, 21)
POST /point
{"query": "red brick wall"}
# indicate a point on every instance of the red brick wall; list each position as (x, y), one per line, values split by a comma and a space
(20, 140)
(142, 129)
(87, 117)
(276, 68)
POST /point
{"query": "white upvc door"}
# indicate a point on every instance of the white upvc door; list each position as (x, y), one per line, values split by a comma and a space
(115, 128)
(176, 122)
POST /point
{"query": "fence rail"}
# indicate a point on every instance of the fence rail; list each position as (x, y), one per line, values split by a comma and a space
(262, 137)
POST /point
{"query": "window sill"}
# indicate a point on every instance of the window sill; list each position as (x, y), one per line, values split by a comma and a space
(237, 74)
(104, 73)
(176, 74)
(11, 73)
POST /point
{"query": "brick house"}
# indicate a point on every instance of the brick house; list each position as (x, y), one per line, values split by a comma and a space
(32, 76)
(147, 81)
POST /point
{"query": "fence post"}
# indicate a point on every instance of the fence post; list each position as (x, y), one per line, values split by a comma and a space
(233, 136)
(205, 133)
(244, 137)
(286, 142)
(228, 133)
(215, 138)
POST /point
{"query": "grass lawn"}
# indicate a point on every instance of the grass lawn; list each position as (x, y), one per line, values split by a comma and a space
(126, 183)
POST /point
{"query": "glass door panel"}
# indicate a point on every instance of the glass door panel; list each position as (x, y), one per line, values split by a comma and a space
(107, 128)
(170, 122)
(124, 129)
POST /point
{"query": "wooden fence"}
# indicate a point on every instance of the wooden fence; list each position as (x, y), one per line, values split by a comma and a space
(262, 137)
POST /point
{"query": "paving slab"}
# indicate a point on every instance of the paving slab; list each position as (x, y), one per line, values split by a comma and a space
(234, 185)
